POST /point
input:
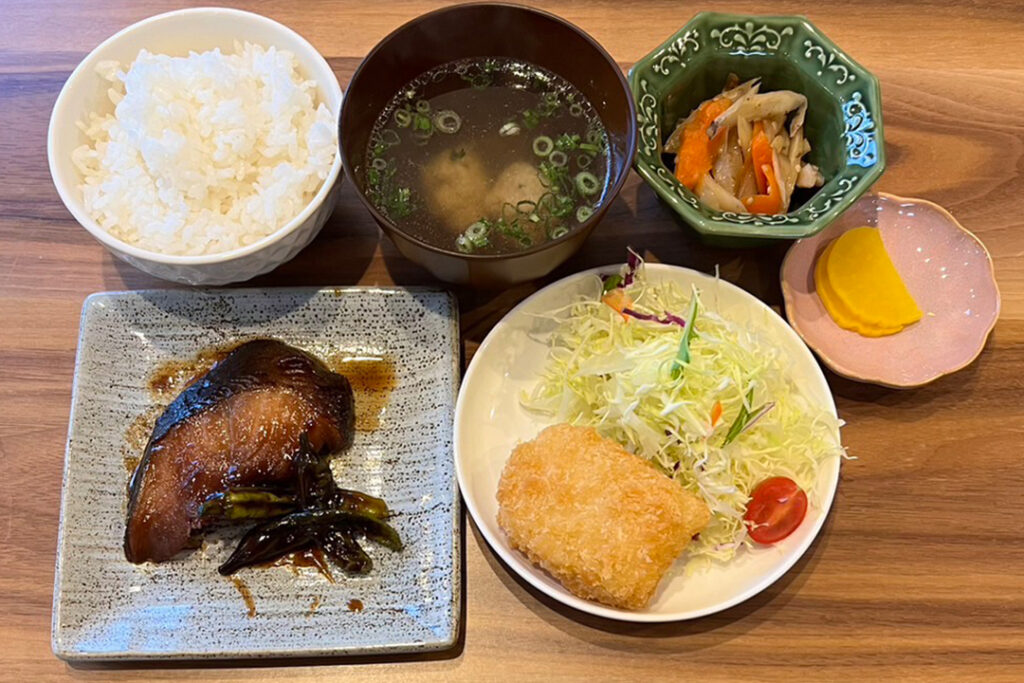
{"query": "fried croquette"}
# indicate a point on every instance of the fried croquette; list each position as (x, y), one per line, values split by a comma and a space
(604, 522)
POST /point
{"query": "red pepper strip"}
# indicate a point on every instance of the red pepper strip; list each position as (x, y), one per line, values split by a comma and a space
(761, 153)
(770, 203)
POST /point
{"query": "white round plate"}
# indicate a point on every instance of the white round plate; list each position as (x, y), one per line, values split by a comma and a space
(489, 422)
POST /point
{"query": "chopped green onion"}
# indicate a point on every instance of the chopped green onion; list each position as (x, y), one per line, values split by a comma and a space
(514, 231)
(463, 244)
(379, 164)
(401, 205)
(583, 160)
(542, 146)
(595, 137)
(556, 178)
(510, 128)
(447, 121)
(403, 117)
(558, 158)
(583, 213)
(587, 183)
(576, 110)
(422, 123)
(546, 109)
(477, 233)
(589, 148)
(422, 106)
(525, 206)
(531, 119)
(558, 231)
(563, 206)
(567, 143)
(390, 138)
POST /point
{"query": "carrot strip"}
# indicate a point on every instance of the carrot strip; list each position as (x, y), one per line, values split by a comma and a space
(697, 152)
(716, 413)
(617, 300)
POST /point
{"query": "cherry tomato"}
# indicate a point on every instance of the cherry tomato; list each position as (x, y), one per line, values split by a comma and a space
(776, 508)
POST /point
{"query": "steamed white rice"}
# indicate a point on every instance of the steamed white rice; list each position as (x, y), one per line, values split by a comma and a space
(205, 153)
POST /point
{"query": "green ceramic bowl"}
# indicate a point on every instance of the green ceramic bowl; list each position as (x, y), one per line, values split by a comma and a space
(844, 116)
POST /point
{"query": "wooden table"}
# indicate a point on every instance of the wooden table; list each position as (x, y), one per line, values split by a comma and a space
(919, 571)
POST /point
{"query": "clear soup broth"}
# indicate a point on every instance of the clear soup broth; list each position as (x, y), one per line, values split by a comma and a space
(488, 156)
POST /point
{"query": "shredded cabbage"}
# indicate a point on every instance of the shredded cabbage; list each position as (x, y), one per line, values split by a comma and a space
(615, 374)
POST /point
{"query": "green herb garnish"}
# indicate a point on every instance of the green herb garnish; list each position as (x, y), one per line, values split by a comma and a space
(683, 355)
(746, 418)
(395, 201)
(611, 283)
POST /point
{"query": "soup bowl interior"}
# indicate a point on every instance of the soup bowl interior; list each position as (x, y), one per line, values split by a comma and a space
(487, 30)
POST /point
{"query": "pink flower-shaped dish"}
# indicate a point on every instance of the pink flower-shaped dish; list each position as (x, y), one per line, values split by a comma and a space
(948, 272)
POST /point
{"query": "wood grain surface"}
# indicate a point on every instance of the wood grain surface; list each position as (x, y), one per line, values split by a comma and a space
(919, 571)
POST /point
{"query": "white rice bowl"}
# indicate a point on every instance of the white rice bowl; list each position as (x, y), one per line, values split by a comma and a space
(206, 153)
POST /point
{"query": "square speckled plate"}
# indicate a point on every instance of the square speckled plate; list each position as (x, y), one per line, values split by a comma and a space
(106, 608)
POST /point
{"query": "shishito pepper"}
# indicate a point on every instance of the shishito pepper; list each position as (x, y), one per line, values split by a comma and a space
(247, 503)
(306, 529)
(342, 547)
(317, 514)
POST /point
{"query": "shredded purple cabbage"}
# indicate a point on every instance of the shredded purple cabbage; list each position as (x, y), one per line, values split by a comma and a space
(622, 280)
(619, 280)
(667, 319)
(633, 262)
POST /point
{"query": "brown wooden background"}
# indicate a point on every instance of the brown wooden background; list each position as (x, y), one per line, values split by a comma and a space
(919, 571)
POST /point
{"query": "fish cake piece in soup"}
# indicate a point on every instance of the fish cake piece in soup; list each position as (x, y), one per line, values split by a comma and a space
(519, 182)
(455, 184)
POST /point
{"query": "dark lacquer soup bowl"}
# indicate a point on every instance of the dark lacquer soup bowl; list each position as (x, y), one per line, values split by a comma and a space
(488, 31)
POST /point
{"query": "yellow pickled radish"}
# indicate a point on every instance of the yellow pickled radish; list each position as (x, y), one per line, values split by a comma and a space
(843, 316)
(861, 288)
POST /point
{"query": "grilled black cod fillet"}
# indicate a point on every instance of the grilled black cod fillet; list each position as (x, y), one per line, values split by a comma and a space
(238, 425)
